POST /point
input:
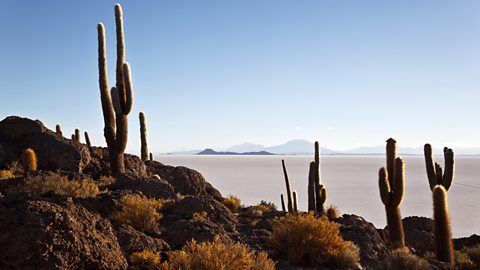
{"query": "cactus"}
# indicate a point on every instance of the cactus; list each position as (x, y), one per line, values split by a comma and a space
(283, 203)
(117, 103)
(151, 156)
(441, 226)
(391, 186)
(434, 172)
(295, 203)
(311, 187)
(29, 160)
(287, 183)
(58, 129)
(143, 136)
(87, 140)
(320, 190)
(73, 137)
(76, 136)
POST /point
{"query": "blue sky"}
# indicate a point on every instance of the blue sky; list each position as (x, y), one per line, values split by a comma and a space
(219, 73)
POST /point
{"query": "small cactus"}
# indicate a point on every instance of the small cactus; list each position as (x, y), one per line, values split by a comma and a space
(311, 187)
(295, 203)
(87, 140)
(151, 156)
(287, 183)
(29, 160)
(441, 226)
(58, 130)
(283, 203)
(434, 170)
(320, 190)
(143, 136)
(77, 135)
(391, 186)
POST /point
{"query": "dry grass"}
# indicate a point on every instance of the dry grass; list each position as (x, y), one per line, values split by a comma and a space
(402, 259)
(473, 253)
(463, 261)
(309, 241)
(231, 202)
(59, 185)
(259, 209)
(217, 255)
(199, 216)
(140, 212)
(104, 180)
(6, 174)
(332, 212)
(145, 259)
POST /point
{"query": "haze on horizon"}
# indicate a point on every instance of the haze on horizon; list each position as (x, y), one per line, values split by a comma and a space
(221, 73)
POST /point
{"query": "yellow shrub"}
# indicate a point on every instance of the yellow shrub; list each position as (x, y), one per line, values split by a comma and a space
(106, 180)
(200, 216)
(139, 212)
(29, 160)
(6, 174)
(217, 255)
(473, 253)
(306, 240)
(332, 212)
(145, 259)
(402, 259)
(231, 202)
(463, 261)
(60, 185)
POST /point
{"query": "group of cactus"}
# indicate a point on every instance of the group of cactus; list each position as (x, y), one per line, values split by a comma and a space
(392, 186)
(317, 193)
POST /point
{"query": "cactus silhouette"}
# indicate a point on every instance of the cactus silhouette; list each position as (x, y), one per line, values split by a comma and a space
(77, 135)
(29, 160)
(320, 190)
(151, 156)
(117, 103)
(87, 140)
(434, 170)
(295, 203)
(283, 203)
(287, 183)
(311, 187)
(441, 226)
(143, 136)
(58, 129)
(391, 186)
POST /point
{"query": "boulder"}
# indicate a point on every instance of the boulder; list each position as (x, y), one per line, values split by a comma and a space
(154, 188)
(132, 240)
(53, 151)
(419, 234)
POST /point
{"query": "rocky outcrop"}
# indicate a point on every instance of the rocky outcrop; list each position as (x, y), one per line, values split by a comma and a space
(100, 165)
(151, 187)
(419, 234)
(53, 151)
(184, 180)
(38, 234)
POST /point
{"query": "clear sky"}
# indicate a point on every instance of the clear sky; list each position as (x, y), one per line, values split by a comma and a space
(219, 73)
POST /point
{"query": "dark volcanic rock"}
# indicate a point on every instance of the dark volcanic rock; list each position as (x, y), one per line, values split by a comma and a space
(470, 241)
(372, 248)
(155, 188)
(419, 234)
(100, 165)
(56, 235)
(53, 151)
(132, 240)
(184, 180)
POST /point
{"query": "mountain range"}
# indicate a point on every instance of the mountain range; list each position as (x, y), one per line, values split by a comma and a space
(305, 147)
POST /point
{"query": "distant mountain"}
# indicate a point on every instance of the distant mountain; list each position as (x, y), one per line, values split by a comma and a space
(246, 147)
(209, 151)
(293, 147)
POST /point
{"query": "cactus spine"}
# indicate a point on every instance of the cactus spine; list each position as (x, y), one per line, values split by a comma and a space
(151, 156)
(29, 160)
(287, 183)
(320, 190)
(77, 135)
(87, 140)
(117, 103)
(441, 226)
(391, 185)
(143, 136)
(283, 203)
(295, 203)
(58, 129)
(434, 172)
(311, 187)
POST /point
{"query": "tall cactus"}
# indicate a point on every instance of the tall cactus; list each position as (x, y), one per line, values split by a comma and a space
(320, 190)
(434, 172)
(441, 226)
(58, 129)
(391, 185)
(143, 136)
(77, 135)
(287, 183)
(283, 203)
(295, 202)
(87, 140)
(311, 187)
(117, 103)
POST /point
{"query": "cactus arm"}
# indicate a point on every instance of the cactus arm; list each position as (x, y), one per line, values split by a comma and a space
(397, 195)
(384, 186)
(120, 53)
(128, 89)
(311, 187)
(295, 203)
(287, 183)
(438, 174)
(391, 155)
(429, 163)
(283, 203)
(449, 168)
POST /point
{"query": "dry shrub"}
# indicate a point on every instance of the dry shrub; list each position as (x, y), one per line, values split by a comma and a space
(332, 212)
(231, 202)
(473, 253)
(104, 180)
(403, 259)
(145, 259)
(200, 216)
(60, 185)
(140, 212)
(217, 255)
(463, 261)
(306, 240)
(6, 174)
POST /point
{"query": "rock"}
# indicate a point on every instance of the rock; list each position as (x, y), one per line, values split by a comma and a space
(470, 241)
(419, 234)
(372, 248)
(40, 234)
(154, 188)
(100, 165)
(53, 151)
(184, 180)
(132, 240)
